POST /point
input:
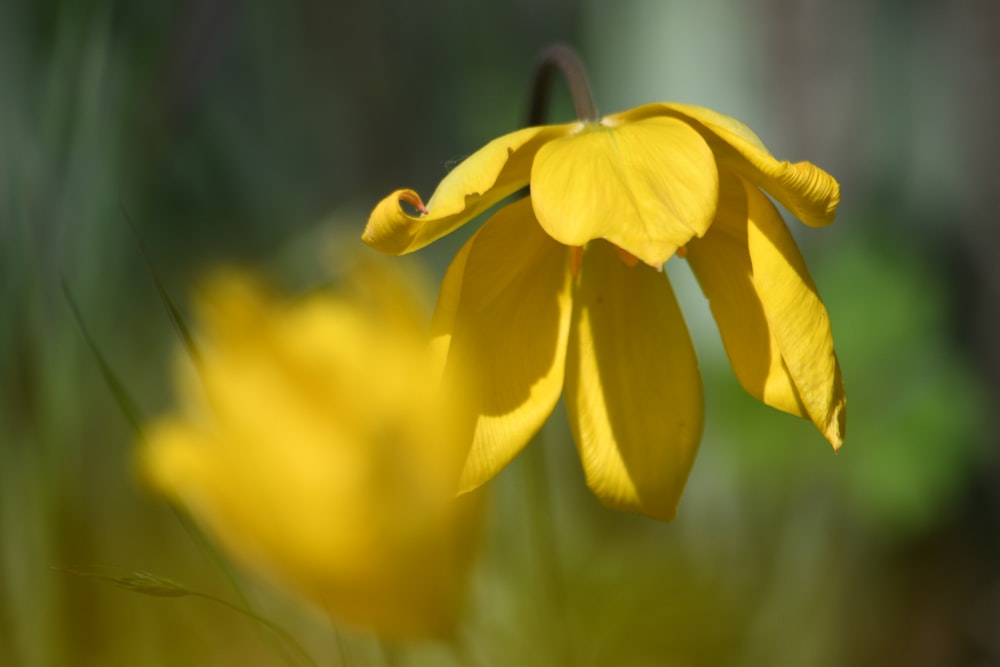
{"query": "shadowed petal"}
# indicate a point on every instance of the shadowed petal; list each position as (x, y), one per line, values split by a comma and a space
(648, 187)
(796, 315)
(504, 315)
(773, 325)
(721, 262)
(808, 192)
(495, 171)
(633, 391)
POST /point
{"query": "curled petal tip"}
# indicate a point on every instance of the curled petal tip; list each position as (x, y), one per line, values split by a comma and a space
(413, 199)
(837, 430)
(390, 228)
(811, 194)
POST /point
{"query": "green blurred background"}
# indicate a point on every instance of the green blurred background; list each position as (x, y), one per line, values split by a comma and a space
(248, 132)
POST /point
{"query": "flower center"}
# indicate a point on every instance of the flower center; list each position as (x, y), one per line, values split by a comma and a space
(627, 258)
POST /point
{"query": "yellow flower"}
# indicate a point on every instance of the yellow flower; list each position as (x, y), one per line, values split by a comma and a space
(312, 446)
(563, 288)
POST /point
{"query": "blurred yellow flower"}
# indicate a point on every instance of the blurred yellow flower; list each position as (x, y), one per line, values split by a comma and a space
(312, 444)
(563, 287)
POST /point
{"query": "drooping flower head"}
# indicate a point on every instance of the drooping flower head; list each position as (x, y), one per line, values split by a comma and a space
(562, 290)
(311, 443)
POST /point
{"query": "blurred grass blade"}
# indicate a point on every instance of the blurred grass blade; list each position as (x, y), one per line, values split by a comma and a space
(136, 581)
(121, 395)
(172, 311)
(146, 583)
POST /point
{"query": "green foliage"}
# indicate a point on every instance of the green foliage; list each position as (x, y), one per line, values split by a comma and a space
(915, 405)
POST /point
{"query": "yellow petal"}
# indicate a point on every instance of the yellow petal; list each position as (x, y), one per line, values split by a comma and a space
(796, 316)
(703, 115)
(648, 187)
(808, 192)
(446, 310)
(303, 514)
(505, 312)
(633, 391)
(773, 325)
(495, 171)
(316, 450)
(721, 262)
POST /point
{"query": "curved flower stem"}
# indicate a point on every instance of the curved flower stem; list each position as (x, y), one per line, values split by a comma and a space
(561, 58)
(538, 481)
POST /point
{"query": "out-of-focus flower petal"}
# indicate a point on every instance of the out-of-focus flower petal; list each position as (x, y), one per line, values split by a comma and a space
(633, 391)
(498, 169)
(648, 187)
(506, 308)
(317, 448)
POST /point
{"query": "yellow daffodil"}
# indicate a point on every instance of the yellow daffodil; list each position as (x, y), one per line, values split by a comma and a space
(312, 445)
(562, 291)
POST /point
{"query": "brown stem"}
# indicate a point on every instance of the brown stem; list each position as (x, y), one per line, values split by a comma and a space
(560, 58)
